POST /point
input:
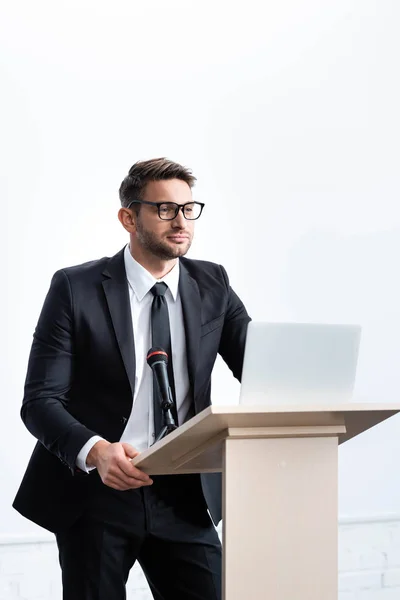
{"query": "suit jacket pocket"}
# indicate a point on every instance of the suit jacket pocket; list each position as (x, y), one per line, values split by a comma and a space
(212, 325)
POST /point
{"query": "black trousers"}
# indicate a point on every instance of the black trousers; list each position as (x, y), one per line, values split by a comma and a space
(165, 527)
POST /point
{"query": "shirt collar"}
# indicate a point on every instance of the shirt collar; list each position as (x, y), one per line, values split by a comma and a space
(141, 281)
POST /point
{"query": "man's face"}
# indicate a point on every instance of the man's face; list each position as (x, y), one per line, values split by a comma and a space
(165, 239)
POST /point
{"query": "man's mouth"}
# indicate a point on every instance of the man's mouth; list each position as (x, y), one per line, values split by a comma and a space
(177, 238)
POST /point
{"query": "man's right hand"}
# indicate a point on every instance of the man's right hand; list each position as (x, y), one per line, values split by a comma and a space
(113, 462)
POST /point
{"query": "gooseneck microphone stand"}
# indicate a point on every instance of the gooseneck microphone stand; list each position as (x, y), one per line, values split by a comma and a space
(167, 416)
(157, 359)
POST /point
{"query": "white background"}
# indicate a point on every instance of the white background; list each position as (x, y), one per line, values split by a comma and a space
(288, 113)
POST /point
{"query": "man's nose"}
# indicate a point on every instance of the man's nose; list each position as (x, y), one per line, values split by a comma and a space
(179, 220)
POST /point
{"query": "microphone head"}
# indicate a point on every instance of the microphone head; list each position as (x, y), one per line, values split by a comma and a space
(156, 355)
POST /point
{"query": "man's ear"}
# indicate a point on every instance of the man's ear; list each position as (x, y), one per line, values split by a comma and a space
(127, 219)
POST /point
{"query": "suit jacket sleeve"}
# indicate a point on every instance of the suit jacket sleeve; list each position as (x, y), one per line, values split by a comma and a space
(234, 331)
(50, 377)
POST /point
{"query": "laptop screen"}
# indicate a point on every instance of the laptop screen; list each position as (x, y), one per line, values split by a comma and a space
(296, 363)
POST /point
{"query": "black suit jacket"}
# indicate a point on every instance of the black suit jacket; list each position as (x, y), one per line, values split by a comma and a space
(81, 374)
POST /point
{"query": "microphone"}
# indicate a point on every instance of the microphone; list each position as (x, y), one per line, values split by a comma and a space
(157, 359)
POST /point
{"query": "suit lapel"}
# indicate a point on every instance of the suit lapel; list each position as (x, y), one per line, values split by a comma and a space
(117, 294)
(191, 307)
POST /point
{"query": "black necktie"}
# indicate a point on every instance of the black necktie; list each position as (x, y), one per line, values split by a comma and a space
(161, 338)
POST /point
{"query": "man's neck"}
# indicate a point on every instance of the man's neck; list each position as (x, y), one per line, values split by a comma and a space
(155, 266)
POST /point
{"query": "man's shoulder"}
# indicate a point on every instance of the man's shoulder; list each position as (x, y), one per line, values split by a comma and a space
(95, 265)
(204, 270)
(92, 268)
(195, 265)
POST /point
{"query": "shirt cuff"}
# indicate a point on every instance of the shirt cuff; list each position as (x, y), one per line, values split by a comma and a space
(84, 451)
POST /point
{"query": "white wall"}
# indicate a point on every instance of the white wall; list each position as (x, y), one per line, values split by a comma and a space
(288, 113)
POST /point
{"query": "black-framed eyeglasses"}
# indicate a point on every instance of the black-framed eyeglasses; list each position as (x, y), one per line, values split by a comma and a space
(167, 211)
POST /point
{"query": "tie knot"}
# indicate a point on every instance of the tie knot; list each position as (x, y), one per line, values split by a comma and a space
(159, 289)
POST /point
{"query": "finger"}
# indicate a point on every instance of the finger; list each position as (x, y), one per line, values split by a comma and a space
(130, 471)
(114, 481)
(119, 483)
(131, 478)
(129, 450)
(115, 484)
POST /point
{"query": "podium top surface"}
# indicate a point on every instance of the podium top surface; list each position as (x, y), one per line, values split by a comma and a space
(201, 430)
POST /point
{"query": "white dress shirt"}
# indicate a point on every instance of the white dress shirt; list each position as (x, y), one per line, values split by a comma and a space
(139, 428)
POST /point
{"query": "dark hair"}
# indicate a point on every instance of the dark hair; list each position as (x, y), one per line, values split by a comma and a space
(156, 169)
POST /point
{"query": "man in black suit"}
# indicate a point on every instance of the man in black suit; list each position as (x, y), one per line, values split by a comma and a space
(89, 400)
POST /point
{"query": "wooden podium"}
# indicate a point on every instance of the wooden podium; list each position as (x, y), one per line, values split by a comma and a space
(280, 490)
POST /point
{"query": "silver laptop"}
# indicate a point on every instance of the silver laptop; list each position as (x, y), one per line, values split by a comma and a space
(299, 363)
